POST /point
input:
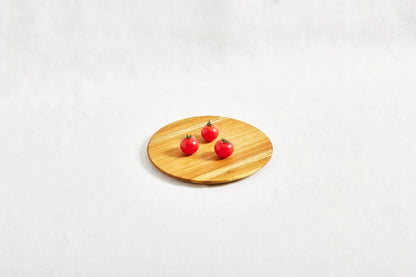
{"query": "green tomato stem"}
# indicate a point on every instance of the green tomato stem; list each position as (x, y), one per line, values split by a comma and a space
(225, 141)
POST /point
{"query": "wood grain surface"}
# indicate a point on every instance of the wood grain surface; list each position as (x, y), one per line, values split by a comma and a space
(252, 150)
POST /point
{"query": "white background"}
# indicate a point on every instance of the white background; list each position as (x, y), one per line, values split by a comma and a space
(84, 84)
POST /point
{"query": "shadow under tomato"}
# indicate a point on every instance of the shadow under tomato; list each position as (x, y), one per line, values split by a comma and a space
(210, 156)
(176, 153)
(201, 139)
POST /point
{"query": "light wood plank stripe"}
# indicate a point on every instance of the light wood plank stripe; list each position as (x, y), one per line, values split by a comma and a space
(222, 170)
(183, 131)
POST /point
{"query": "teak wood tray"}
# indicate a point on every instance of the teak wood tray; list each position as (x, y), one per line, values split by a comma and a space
(252, 150)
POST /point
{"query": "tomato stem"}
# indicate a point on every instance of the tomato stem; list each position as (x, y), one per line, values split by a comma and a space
(188, 136)
(209, 123)
(225, 141)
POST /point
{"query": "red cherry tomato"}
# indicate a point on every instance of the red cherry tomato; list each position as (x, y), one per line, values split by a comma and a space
(224, 148)
(189, 145)
(209, 132)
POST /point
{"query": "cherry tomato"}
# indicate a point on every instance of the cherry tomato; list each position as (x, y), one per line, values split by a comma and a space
(224, 148)
(209, 132)
(189, 145)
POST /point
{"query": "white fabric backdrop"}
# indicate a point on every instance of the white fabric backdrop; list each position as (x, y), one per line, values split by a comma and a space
(84, 84)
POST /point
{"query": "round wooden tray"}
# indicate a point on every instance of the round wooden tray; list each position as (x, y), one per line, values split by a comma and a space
(252, 150)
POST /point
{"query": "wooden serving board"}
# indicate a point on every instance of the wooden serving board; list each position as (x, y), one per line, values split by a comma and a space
(252, 150)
